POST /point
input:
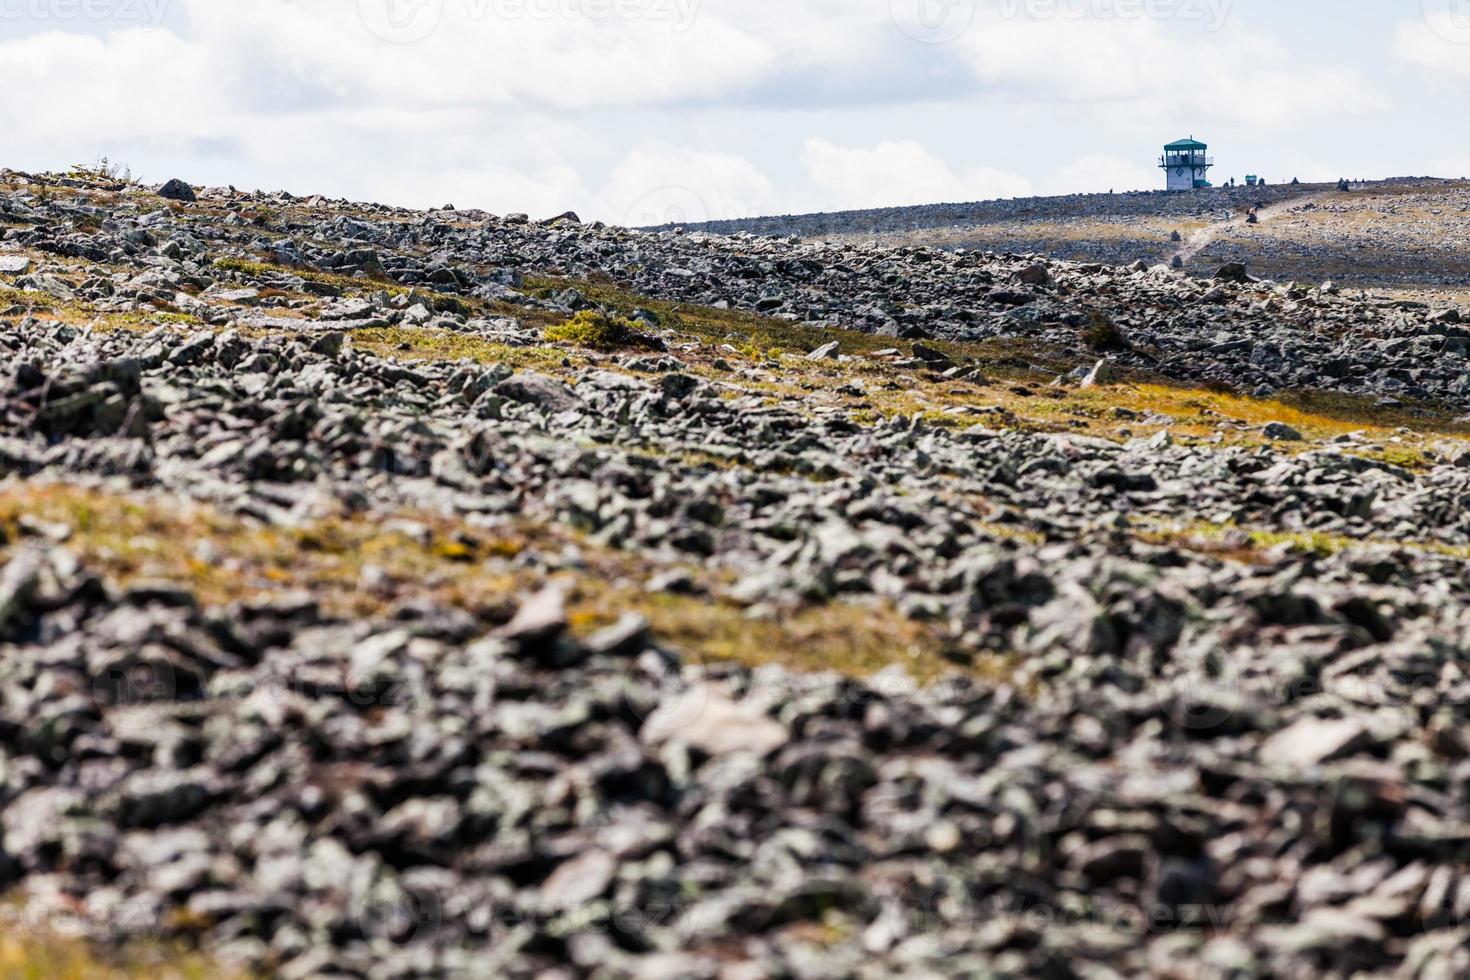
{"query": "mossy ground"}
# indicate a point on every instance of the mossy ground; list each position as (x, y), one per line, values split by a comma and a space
(27, 954)
(136, 538)
(427, 344)
(16, 297)
(82, 315)
(260, 269)
(1018, 386)
(766, 355)
(1252, 545)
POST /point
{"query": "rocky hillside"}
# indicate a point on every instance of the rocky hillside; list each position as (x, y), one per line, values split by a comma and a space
(389, 593)
(1404, 232)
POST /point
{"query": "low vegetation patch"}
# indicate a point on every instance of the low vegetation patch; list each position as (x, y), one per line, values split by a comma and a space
(429, 344)
(1247, 544)
(599, 331)
(257, 269)
(758, 338)
(142, 321)
(357, 567)
(41, 956)
(29, 300)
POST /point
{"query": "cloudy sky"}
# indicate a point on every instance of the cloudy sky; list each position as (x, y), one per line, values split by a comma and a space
(641, 111)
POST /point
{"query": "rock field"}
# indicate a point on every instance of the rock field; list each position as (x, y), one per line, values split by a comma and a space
(403, 594)
(1400, 232)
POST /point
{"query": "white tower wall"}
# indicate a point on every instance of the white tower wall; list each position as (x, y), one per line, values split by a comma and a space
(1184, 182)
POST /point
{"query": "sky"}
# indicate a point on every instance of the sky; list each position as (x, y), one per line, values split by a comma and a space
(647, 111)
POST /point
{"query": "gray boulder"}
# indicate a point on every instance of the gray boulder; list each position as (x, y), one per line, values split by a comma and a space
(177, 190)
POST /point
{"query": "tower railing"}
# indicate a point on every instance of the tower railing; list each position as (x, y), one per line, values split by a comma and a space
(1186, 160)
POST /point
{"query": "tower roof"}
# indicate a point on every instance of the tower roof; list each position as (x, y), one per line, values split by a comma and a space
(1189, 144)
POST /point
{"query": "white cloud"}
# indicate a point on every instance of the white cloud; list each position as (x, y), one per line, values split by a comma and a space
(482, 52)
(1097, 172)
(665, 184)
(133, 81)
(275, 57)
(1146, 67)
(1439, 43)
(898, 173)
(1453, 167)
(495, 107)
(651, 109)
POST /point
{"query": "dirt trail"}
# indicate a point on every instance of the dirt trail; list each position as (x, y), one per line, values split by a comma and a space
(1203, 238)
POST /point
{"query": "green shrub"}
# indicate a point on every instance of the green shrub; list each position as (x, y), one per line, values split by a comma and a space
(598, 330)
